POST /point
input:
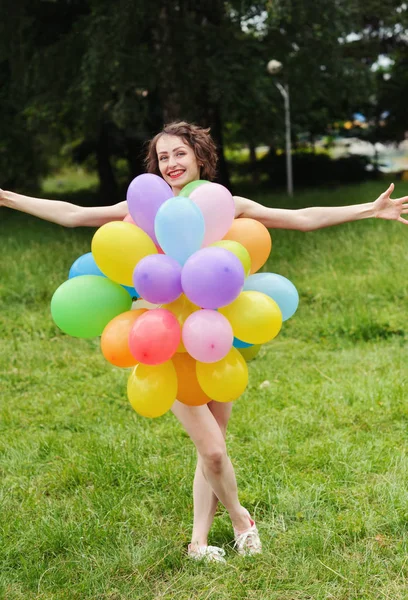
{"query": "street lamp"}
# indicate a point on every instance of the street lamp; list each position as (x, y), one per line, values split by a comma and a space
(274, 67)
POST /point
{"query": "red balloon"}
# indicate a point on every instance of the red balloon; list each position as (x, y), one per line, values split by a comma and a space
(155, 337)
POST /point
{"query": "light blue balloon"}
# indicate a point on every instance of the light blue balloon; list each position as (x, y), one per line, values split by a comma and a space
(240, 344)
(276, 287)
(86, 265)
(179, 227)
(131, 291)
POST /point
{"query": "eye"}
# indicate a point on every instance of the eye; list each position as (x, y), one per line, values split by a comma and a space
(162, 158)
(181, 153)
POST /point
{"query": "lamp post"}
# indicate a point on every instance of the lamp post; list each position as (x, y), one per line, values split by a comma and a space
(274, 67)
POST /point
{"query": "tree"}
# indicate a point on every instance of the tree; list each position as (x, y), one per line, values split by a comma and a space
(105, 75)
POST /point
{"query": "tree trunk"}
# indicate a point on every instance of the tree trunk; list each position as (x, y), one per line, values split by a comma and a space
(252, 162)
(135, 156)
(108, 187)
(215, 122)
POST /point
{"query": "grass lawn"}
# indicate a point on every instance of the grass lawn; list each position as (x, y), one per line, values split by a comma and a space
(96, 501)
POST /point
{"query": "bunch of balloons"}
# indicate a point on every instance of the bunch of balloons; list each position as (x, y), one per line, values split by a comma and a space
(202, 313)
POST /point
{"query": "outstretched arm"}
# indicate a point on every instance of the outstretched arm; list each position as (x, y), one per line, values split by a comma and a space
(309, 219)
(64, 213)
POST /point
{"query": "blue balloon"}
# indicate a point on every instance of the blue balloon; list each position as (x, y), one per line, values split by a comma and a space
(86, 265)
(240, 344)
(131, 291)
(179, 227)
(276, 287)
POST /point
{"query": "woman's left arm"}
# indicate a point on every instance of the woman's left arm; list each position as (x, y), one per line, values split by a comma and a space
(317, 217)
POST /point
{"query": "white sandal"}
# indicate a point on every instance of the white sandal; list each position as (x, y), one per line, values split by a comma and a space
(247, 543)
(206, 553)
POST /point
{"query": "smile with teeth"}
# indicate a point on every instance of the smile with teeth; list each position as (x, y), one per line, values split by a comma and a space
(175, 174)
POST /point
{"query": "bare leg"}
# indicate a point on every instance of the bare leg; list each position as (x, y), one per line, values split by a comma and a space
(205, 501)
(203, 429)
(205, 506)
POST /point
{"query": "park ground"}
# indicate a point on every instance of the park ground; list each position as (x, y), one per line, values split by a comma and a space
(96, 501)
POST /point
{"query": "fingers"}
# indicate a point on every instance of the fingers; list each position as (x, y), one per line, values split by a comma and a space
(389, 191)
(402, 220)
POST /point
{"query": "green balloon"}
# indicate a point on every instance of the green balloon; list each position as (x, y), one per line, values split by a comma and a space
(251, 352)
(83, 306)
(190, 187)
(240, 252)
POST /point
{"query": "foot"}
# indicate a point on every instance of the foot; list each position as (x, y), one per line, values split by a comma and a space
(206, 553)
(247, 542)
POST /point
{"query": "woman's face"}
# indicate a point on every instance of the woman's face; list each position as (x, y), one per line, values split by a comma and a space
(177, 161)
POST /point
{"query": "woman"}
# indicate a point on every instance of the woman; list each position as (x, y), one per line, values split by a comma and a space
(182, 153)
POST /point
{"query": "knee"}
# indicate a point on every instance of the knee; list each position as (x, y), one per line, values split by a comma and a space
(214, 459)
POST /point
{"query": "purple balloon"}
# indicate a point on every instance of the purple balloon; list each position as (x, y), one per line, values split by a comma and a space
(212, 277)
(145, 195)
(158, 278)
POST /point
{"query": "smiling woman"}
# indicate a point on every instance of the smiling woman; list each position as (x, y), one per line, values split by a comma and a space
(177, 162)
(183, 153)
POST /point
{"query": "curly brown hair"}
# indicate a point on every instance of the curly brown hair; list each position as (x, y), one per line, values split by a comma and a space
(196, 137)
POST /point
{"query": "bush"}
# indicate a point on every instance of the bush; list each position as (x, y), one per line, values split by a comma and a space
(308, 169)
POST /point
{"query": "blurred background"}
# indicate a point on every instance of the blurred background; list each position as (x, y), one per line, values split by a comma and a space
(85, 83)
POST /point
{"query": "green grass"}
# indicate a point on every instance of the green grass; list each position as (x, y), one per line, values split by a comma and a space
(69, 180)
(96, 501)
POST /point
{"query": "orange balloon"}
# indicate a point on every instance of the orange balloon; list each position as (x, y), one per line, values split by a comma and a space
(114, 340)
(181, 309)
(189, 391)
(254, 237)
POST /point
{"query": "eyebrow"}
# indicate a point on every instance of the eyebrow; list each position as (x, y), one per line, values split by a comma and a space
(174, 149)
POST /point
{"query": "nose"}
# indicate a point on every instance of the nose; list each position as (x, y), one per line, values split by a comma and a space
(172, 161)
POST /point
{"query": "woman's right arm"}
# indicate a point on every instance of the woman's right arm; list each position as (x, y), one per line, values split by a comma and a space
(64, 213)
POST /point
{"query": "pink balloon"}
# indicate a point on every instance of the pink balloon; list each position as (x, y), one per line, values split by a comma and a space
(218, 208)
(207, 335)
(128, 219)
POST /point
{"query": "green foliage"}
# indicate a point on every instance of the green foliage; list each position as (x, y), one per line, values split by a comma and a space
(107, 74)
(96, 501)
(309, 169)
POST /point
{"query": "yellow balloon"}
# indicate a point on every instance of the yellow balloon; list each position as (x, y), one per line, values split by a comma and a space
(224, 380)
(152, 389)
(181, 309)
(117, 247)
(251, 352)
(240, 252)
(255, 318)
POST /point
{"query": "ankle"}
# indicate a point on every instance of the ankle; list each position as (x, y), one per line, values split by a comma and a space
(241, 521)
(197, 543)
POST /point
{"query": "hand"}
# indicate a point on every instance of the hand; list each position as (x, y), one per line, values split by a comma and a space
(387, 208)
